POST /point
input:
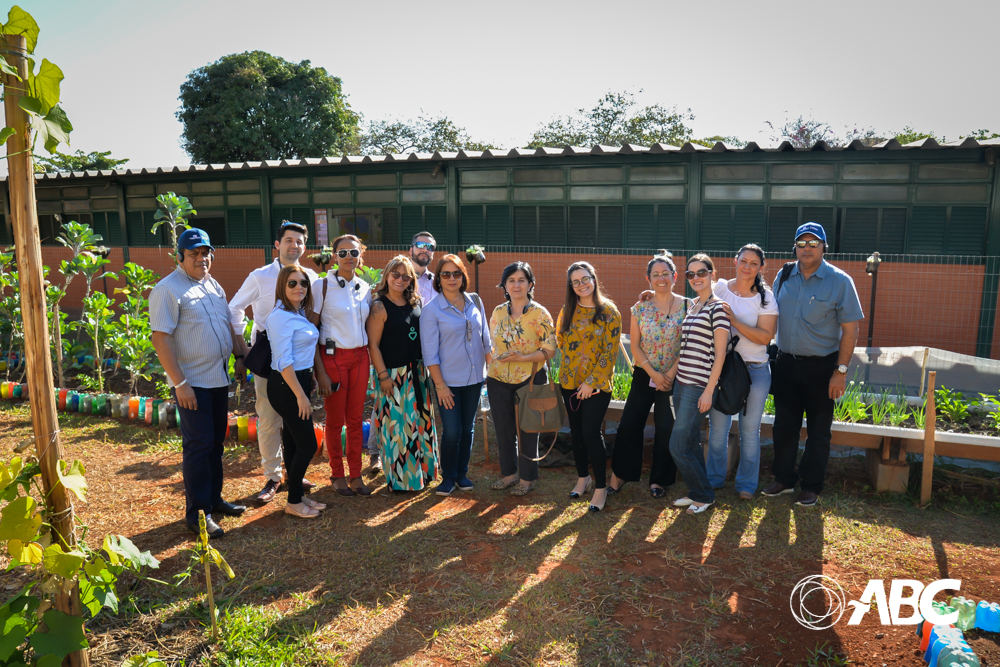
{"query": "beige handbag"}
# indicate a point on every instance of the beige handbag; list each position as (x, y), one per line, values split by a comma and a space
(540, 409)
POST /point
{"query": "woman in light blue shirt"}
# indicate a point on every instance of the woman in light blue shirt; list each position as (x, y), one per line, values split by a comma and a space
(293, 341)
(456, 344)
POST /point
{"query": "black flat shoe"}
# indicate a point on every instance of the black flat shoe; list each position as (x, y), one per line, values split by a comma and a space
(612, 490)
(229, 509)
(657, 492)
(213, 529)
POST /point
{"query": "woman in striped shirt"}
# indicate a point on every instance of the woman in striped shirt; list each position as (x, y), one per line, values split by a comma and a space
(704, 337)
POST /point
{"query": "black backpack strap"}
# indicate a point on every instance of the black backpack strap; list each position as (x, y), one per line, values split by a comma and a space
(786, 271)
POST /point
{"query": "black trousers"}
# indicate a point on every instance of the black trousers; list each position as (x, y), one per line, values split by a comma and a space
(298, 439)
(202, 434)
(586, 434)
(516, 448)
(802, 385)
(626, 461)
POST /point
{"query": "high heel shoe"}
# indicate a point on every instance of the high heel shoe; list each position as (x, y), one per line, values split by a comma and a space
(597, 508)
(574, 494)
(612, 490)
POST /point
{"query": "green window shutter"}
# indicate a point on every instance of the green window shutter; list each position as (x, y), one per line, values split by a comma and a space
(716, 227)
(255, 226)
(859, 230)
(470, 225)
(4, 236)
(436, 221)
(390, 226)
(114, 223)
(139, 223)
(498, 225)
(551, 225)
(525, 225)
(782, 222)
(892, 231)
(412, 221)
(824, 215)
(967, 230)
(582, 227)
(99, 224)
(279, 215)
(303, 216)
(640, 226)
(671, 226)
(236, 226)
(750, 225)
(609, 226)
(926, 233)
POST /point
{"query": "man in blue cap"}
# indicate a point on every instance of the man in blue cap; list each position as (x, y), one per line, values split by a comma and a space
(193, 339)
(818, 318)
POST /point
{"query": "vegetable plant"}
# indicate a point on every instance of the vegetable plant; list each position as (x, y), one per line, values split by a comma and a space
(951, 405)
(97, 323)
(81, 240)
(174, 212)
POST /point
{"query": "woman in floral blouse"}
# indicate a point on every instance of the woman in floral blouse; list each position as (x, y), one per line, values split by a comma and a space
(523, 336)
(656, 342)
(587, 333)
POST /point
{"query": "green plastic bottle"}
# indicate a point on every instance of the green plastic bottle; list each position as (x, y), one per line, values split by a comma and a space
(966, 612)
(956, 657)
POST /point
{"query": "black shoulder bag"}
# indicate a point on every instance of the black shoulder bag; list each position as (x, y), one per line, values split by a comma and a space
(733, 388)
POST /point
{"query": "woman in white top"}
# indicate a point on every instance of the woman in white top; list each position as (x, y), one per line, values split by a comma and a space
(293, 350)
(342, 368)
(753, 311)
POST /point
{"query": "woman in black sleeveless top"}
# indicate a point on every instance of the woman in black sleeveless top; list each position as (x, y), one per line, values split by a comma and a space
(403, 410)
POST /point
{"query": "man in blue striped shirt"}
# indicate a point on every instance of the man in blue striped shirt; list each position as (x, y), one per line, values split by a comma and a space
(193, 340)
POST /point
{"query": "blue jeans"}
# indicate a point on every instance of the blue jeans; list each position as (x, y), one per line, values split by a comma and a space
(748, 473)
(202, 434)
(459, 426)
(685, 443)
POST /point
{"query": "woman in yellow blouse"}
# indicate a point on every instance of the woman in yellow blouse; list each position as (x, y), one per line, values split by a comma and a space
(523, 335)
(587, 333)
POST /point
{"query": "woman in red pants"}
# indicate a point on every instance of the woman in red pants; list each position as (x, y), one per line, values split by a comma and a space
(343, 304)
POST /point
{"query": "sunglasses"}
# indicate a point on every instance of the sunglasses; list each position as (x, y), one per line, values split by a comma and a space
(295, 283)
(353, 252)
(586, 280)
(701, 273)
(814, 243)
(450, 274)
(400, 276)
(424, 245)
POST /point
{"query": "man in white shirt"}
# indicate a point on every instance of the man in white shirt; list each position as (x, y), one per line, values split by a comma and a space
(422, 254)
(257, 292)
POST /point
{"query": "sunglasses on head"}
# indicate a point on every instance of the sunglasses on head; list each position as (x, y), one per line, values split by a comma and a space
(353, 252)
(295, 283)
(701, 273)
(395, 275)
(813, 243)
(424, 245)
(586, 280)
(450, 274)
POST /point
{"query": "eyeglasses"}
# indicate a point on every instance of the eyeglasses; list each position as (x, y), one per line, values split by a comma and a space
(657, 276)
(450, 274)
(295, 283)
(395, 275)
(424, 245)
(586, 280)
(701, 273)
(813, 243)
(353, 252)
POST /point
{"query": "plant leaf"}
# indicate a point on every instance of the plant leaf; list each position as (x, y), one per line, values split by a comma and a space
(46, 85)
(20, 22)
(30, 552)
(10, 640)
(217, 558)
(65, 635)
(51, 130)
(6, 133)
(64, 563)
(19, 520)
(7, 68)
(72, 478)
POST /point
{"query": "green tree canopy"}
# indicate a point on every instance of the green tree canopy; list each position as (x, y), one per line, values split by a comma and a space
(425, 135)
(78, 161)
(256, 106)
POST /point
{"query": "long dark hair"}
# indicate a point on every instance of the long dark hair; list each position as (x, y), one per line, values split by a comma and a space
(601, 303)
(758, 282)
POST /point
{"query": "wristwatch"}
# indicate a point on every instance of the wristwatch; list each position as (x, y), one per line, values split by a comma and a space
(842, 369)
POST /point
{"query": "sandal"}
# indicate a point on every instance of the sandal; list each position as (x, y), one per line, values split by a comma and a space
(302, 511)
(309, 502)
(698, 509)
(657, 491)
(612, 490)
(342, 490)
(360, 489)
(522, 490)
(501, 484)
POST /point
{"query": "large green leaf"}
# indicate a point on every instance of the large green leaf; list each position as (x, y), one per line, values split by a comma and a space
(53, 130)
(20, 22)
(7, 68)
(119, 545)
(25, 552)
(64, 563)
(72, 477)
(6, 133)
(18, 520)
(151, 659)
(65, 635)
(11, 639)
(8, 473)
(87, 598)
(45, 85)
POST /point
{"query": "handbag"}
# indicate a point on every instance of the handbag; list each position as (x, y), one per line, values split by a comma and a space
(733, 388)
(540, 409)
(258, 359)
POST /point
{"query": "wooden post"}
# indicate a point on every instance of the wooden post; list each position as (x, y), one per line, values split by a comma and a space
(923, 372)
(24, 218)
(930, 419)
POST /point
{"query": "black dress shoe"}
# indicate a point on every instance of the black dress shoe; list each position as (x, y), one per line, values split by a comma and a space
(213, 529)
(229, 509)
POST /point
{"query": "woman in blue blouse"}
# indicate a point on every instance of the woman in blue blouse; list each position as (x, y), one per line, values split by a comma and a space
(456, 344)
(293, 345)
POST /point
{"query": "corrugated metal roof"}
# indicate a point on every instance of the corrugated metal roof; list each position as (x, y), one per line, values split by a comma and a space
(437, 156)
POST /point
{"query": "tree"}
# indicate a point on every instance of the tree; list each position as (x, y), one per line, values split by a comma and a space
(981, 135)
(423, 135)
(255, 106)
(805, 132)
(908, 134)
(711, 141)
(79, 161)
(615, 121)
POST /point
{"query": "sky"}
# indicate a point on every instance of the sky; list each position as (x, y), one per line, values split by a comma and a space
(500, 69)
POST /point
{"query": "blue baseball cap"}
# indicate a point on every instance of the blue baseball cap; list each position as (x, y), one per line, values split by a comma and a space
(813, 228)
(195, 238)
